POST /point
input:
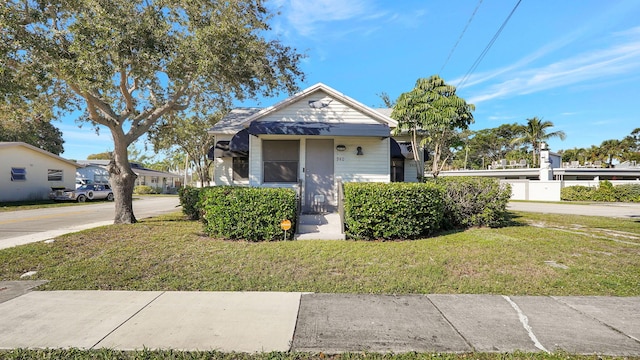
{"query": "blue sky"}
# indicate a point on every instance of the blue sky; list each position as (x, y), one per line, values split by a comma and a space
(573, 62)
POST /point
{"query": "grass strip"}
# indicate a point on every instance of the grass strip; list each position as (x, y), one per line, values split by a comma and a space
(538, 254)
(20, 354)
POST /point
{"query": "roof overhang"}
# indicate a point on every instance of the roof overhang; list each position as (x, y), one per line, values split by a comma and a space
(318, 129)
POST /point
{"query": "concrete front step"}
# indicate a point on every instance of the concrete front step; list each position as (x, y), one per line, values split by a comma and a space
(320, 227)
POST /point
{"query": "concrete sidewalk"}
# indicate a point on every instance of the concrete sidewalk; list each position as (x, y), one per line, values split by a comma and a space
(331, 323)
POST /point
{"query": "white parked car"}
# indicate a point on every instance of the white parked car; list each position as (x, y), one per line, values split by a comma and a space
(84, 193)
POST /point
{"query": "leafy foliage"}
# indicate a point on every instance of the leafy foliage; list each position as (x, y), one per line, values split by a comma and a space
(243, 213)
(190, 201)
(189, 135)
(433, 112)
(628, 192)
(473, 201)
(392, 210)
(144, 190)
(37, 132)
(534, 133)
(577, 193)
(606, 192)
(129, 63)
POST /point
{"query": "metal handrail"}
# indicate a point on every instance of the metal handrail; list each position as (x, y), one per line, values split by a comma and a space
(298, 205)
(341, 204)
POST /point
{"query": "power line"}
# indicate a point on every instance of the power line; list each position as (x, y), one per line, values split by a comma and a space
(486, 49)
(460, 37)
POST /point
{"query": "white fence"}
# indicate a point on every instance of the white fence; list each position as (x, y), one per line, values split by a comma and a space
(550, 190)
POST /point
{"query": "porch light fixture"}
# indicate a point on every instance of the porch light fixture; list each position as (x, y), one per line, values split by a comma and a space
(341, 148)
(359, 150)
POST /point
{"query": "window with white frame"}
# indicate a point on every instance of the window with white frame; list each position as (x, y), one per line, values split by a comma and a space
(280, 161)
(54, 175)
(18, 174)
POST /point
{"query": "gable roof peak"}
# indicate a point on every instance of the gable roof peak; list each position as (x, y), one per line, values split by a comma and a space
(384, 118)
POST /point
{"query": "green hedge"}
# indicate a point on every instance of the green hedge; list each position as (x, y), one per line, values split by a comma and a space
(473, 201)
(577, 193)
(628, 192)
(189, 200)
(247, 213)
(606, 192)
(392, 210)
(144, 190)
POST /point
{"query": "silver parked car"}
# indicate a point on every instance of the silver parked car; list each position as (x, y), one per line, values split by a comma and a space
(84, 193)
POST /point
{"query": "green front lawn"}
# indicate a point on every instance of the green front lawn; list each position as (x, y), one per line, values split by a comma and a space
(601, 256)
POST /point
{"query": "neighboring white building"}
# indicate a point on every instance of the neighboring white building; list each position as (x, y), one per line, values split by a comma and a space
(29, 173)
(310, 142)
(546, 182)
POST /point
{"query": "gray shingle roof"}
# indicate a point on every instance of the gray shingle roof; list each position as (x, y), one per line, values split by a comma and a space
(232, 123)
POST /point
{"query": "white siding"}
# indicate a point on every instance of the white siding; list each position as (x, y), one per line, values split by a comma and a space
(410, 171)
(373, 166)
(223, 171)
(336, 112)
(255, 161)
(36, 186)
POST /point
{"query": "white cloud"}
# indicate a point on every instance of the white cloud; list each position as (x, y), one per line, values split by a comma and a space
(603, 64)
(305, 15)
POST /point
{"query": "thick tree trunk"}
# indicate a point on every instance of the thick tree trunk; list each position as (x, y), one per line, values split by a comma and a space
(123, 179)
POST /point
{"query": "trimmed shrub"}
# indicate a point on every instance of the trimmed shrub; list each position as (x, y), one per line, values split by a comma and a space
(143, 190)
(473, 201)
(190, 201)
(392, 210)
(628, 192)
(606, 192)
(577, 193)
(246, 213)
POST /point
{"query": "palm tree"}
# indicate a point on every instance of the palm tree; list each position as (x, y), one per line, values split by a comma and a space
(612, 149)
(534, 133)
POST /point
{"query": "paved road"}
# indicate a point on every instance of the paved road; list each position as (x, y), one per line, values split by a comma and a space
(26, 226)
(622, 210)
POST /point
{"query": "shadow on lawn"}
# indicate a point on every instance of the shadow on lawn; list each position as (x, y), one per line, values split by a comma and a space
(511, 219)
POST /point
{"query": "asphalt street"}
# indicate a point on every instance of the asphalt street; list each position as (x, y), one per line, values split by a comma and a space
(621, 210)
(26, 226)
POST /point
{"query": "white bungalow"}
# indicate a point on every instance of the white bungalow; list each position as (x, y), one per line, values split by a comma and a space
(29, 173)
(311, 142)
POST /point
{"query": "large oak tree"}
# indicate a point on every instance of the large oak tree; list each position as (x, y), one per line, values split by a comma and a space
(129, 63)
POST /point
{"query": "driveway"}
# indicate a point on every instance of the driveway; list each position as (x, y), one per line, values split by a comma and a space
(27, 226)
(620, 210)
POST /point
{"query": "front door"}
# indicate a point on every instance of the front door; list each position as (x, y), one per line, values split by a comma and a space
(318, 188)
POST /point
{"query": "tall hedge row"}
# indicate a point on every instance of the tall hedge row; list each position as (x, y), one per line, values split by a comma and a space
(473, 201)
(392, 210)
(247, 213)
(606, 192)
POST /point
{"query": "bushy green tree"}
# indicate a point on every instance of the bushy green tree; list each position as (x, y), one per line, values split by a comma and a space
(129, 63)
(432, 114)
(37, 132)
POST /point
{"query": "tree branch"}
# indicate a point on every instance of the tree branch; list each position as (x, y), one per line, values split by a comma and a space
(126, 93)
